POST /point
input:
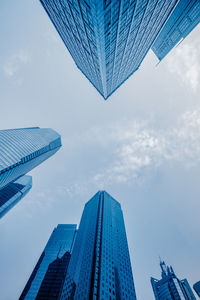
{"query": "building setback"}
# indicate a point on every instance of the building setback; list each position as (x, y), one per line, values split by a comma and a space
(182, 21)
(47, 278)
(108, 39)
(170, 287)
(21, 150)
(100, 266)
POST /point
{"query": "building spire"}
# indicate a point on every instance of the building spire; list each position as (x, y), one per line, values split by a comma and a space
(163, 268)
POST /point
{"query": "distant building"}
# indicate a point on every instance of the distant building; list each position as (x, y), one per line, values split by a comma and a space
(21, 150)
(100, 266)
(108, 39)
(182, 21)
(196, 287)
(170, 287)
(47, 278)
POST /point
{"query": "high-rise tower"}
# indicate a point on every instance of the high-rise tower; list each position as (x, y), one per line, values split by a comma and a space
(100, 266)
(21, 150)
(170, 287)
(182, 21)
(47, 278)
(108, 39)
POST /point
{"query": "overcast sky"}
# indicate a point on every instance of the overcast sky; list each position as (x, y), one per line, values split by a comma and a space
(142, 146)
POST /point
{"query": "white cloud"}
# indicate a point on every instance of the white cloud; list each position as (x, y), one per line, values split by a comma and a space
(15, 62)
(184, 61)
(136, 151)
(142, 149)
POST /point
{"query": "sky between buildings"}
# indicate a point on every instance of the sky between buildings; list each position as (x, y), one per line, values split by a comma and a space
(142, 146)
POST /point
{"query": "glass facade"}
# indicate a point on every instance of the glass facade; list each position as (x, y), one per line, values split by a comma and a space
(108, 39)
(100, 266)
(13, 193)
(170, 287)
(183, 20)
(55, 257)
(21, 150)
(52, 283)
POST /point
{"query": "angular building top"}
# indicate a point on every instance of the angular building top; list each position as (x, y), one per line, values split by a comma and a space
(108, 40)
(57, 250)
(100, 266)
(182, 21)
(23, 149)
(170, 287)
(13, 193)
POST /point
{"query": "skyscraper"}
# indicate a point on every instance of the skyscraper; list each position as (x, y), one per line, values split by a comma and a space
(100, 266)
(170, 287)
(108, 39)
(47, 278)
(196, 287)
(182, 21)
(13, 193)
(21, 150)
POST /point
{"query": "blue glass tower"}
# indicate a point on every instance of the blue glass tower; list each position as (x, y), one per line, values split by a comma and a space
(170, 287)
(13, 193)
(108, 39)
(100, 266)
(182, 21)
(196, 287)
(21, 150)
(44, 283)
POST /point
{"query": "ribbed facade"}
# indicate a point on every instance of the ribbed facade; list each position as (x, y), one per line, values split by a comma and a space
(13, 193)
(21, 150)
(60, 243)
(108, 39)
(183, 20)
(100, 266)
(170, 287)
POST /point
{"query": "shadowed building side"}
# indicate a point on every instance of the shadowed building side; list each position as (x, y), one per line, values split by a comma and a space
(196, 287)
(52, 283)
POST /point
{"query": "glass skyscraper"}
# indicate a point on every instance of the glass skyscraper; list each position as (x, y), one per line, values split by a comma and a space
(182, 21)
(196, 287)
(21, 150)
(108, 39)
(48, 275)
(100, 266)
(170, 287)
